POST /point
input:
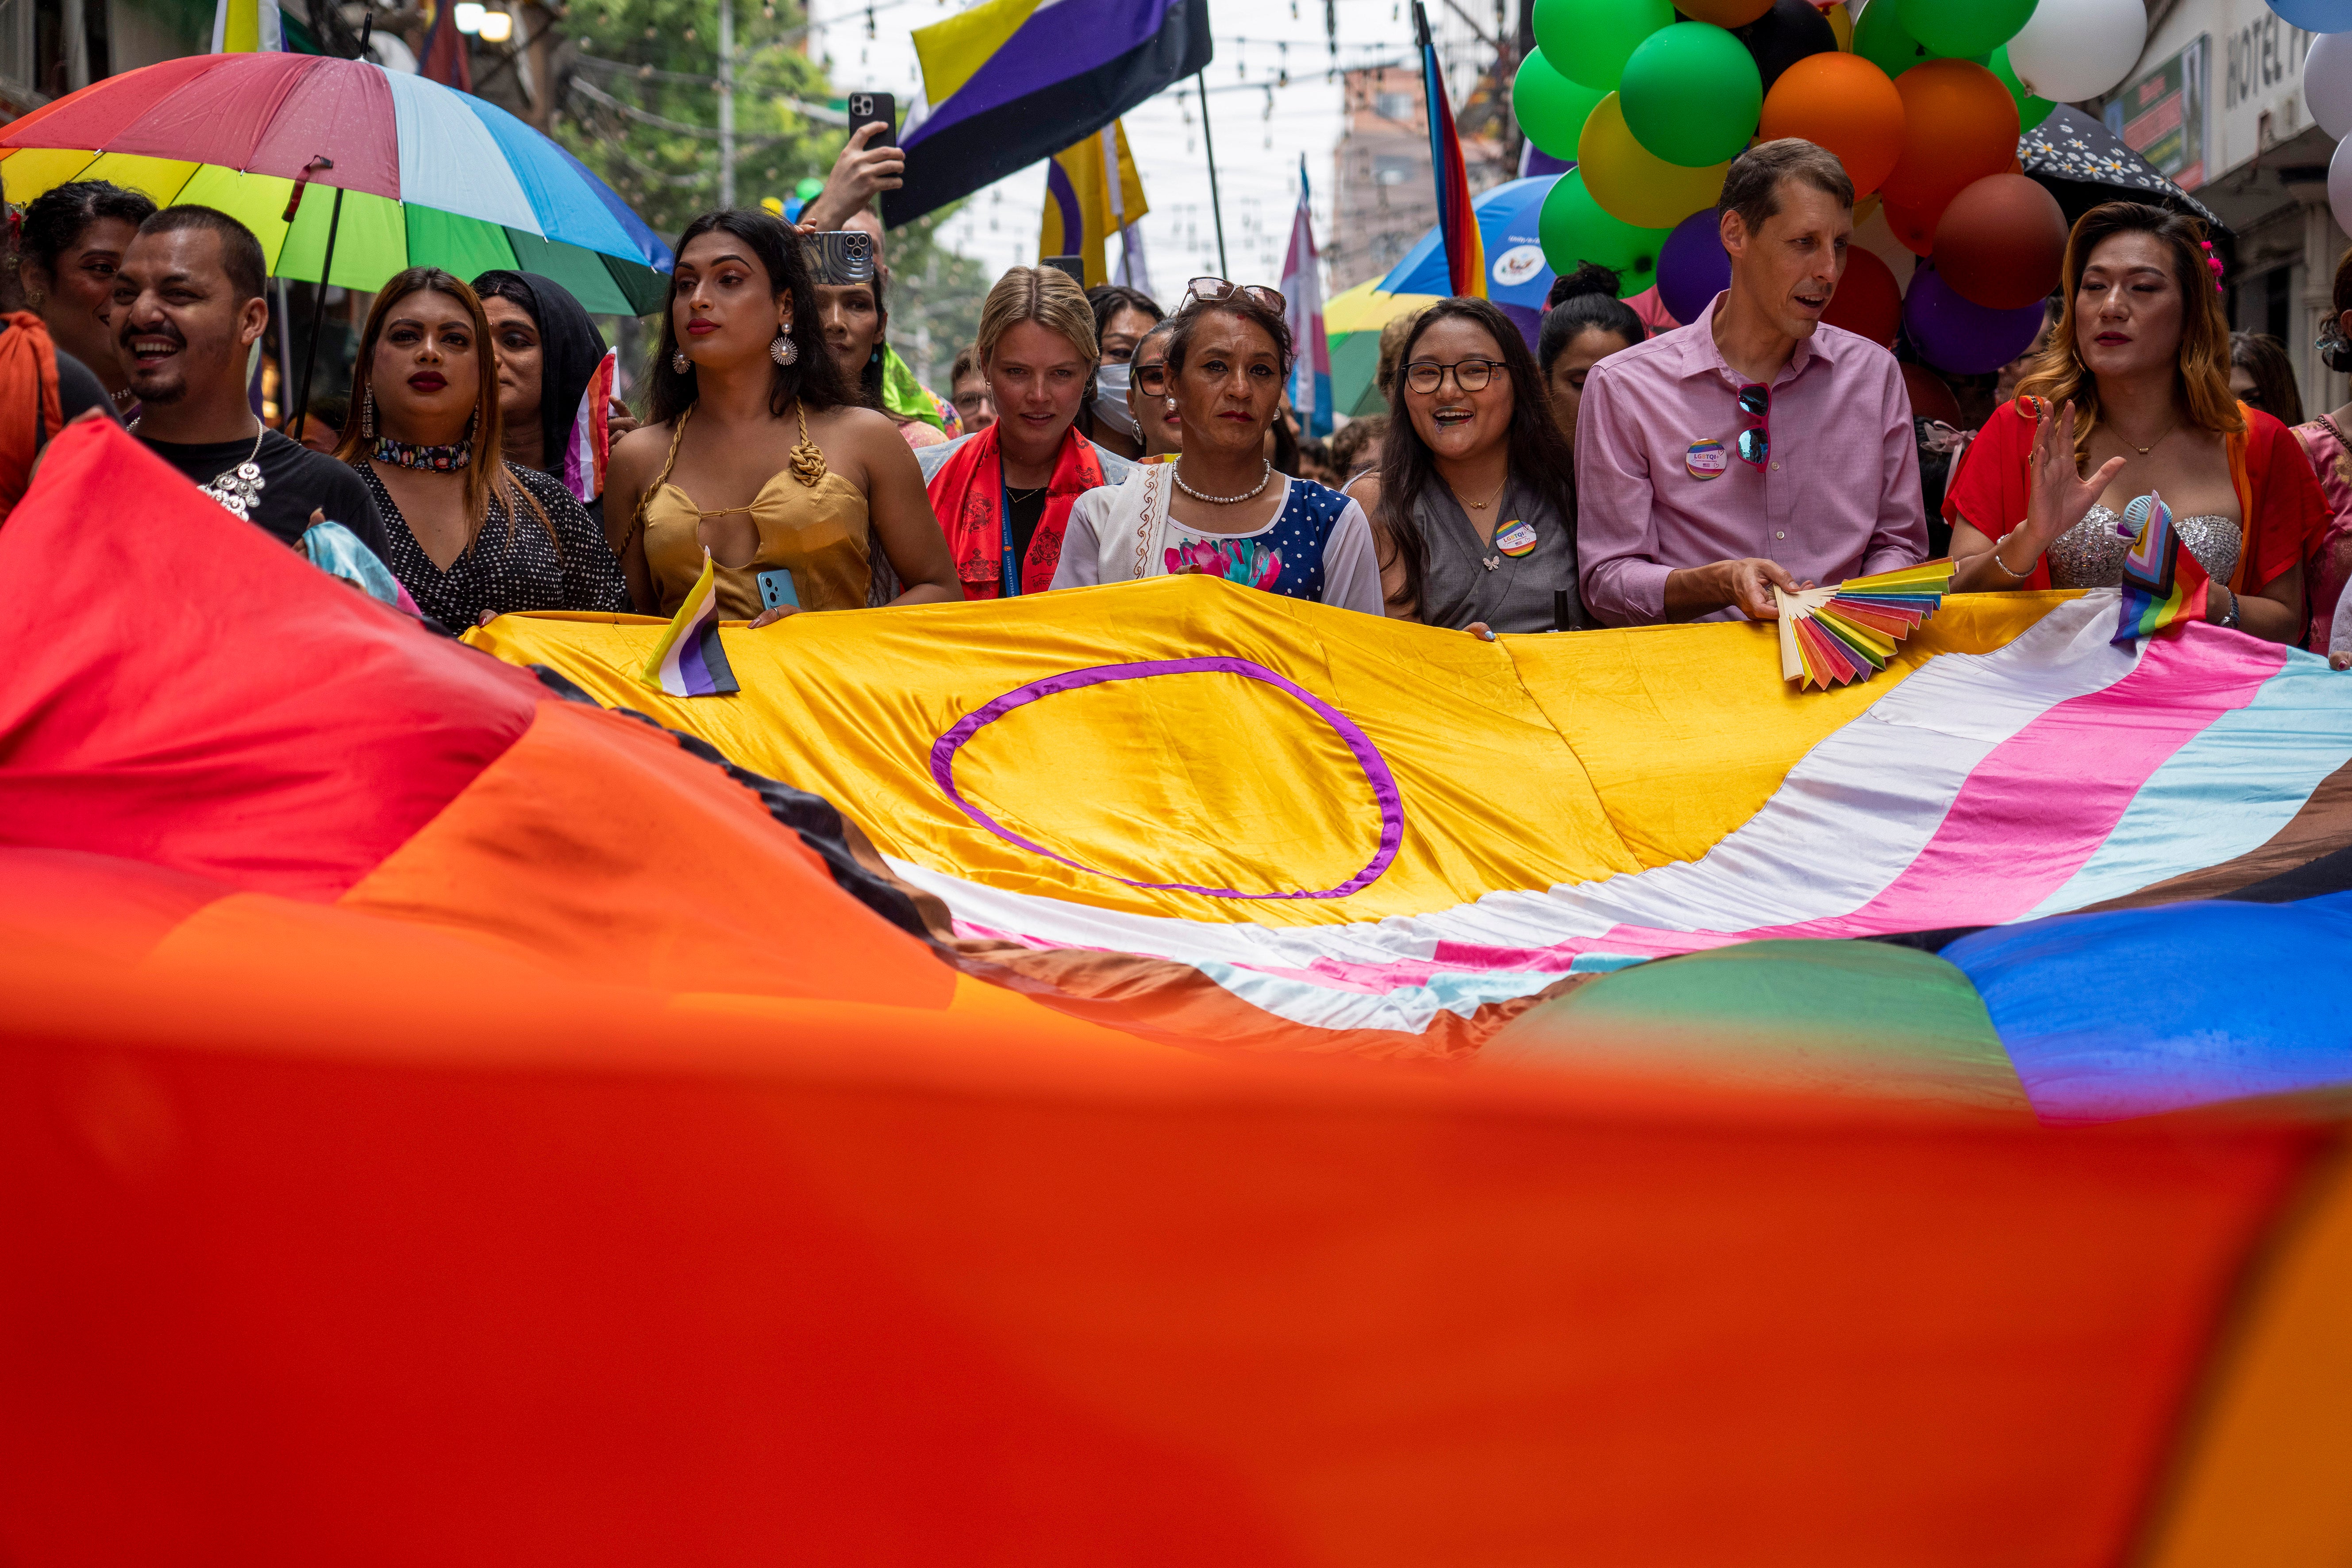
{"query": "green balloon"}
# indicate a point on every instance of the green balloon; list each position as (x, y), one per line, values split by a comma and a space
(2030, 110)
(1552, 109)
(1588, 41)
(1574, 229)
(1961, 29)
(1881, 38)
(1690, 94)
(808, 188)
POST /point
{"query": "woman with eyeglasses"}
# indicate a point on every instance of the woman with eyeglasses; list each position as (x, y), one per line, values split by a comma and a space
(1474, 502)
(1220, 509)
(1148, 403)
(2131, 399)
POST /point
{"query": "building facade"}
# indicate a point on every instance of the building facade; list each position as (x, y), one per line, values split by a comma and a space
(2216, 103)
(1383, 198)
(49, 47)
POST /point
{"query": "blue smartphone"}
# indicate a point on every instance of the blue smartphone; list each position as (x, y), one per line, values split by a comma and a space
(776, 588)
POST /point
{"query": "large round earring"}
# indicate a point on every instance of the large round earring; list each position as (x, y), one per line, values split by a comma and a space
(678, 361)
(34, 297)
(784, 350)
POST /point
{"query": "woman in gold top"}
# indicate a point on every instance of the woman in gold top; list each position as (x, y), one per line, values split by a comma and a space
(754, 451)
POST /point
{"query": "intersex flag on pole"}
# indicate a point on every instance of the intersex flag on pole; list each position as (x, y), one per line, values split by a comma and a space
(1465, 256)
(1094, 191)
(1302, 296)
(1010, 81)
(246, 27)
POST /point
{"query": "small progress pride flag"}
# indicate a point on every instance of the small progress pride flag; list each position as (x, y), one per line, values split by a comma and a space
(592, 439)
(688, 660)
(2162, 583)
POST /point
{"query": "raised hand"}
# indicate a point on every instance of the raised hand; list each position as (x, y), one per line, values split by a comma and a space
(2057, 496)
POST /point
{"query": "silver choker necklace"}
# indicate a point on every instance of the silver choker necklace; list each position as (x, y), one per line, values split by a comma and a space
(1176, 471)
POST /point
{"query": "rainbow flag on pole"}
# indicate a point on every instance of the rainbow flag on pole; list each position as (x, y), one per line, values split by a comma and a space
(2161, 584)
(689, 661)
(1466, 258)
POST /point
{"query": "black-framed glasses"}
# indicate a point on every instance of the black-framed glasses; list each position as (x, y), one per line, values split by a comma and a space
(1755, 443)
(1214, 288)
(1152, 375)
(1426, 375)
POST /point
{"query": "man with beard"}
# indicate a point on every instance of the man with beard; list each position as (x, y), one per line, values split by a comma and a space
(188, 309)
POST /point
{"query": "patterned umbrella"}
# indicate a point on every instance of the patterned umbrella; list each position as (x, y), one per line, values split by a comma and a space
(428, 175)
(2084, 163)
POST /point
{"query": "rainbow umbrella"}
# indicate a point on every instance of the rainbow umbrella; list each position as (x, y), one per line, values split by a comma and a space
(425, 175)
(1352, 320)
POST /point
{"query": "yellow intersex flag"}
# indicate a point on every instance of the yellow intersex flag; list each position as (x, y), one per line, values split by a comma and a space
(246, 27)
(1084, 205)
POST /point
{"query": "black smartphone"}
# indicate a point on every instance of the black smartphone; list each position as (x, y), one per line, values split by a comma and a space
(865, 107)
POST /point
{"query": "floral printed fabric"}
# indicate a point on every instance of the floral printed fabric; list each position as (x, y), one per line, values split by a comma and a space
(1252, 562)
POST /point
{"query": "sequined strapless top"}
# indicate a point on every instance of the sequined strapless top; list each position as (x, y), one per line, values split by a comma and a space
(2091, 554)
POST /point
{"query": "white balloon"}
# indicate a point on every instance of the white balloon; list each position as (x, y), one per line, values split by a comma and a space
(2075, 49)
(2339, 183)
(2328, 83)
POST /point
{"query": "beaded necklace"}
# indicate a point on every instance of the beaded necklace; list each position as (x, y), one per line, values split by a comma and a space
(454, 457)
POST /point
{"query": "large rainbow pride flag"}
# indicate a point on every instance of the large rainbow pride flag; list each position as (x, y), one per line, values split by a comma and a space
(890, 1114)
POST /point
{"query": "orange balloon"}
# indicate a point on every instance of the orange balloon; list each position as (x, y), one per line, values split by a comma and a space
(2000, 242)
(1960, 125)
(1726, 12)
(1915, 229)
(1845, 103)
(1867, 302)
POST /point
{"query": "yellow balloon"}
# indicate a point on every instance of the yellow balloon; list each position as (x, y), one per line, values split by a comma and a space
(1634, 184)
(1841, 21)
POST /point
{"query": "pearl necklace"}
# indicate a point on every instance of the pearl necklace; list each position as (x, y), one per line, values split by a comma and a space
(1264, 479)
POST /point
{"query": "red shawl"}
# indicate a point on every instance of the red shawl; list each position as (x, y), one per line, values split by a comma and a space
(968, 497)
(2279, 498)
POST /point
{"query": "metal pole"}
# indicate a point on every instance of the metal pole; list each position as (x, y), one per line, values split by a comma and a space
(1216, 204)
(726, 103)
(317, 316)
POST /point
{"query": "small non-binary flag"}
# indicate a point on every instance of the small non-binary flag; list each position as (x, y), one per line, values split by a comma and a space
(688, 660)
(1457, 219)
(246, 28)
(1008, 82)
(1302, 298)
(592, 433)
(1093, 192)
(2163, 583)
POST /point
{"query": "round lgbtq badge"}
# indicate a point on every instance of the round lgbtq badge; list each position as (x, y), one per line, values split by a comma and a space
(1515, 538)
(1704, 460)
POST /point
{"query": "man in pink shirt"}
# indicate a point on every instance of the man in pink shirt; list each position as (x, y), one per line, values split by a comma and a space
(1755, 446)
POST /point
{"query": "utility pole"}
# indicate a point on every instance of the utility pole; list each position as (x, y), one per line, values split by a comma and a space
(726, 103)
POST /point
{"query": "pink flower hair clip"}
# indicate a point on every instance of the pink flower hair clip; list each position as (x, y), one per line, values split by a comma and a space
(2214, 262)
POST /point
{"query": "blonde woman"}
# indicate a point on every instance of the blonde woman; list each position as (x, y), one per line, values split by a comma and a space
(1005, 495)
(469, 534)
(2131, 398)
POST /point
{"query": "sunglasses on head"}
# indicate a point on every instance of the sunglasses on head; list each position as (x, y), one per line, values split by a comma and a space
(1214, 288)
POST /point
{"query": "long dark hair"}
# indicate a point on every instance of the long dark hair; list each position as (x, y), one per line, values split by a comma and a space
(869, 375)
(814, 380)
(1540, 456)
(487, 473)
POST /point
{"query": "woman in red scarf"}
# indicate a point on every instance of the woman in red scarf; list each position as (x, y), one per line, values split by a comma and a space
(1003, 496)
(2132, 397)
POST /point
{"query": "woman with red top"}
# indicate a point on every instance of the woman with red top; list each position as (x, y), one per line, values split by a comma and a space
(2134, 392)
(1005, 495)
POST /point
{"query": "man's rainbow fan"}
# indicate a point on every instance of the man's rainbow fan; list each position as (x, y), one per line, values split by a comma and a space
(1831, 635)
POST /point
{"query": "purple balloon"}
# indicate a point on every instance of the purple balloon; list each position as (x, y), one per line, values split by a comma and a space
(1953, 335)
(1692, 268)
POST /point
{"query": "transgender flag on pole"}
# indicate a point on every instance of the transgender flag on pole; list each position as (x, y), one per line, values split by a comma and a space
(1302, 295)
(688, 660)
